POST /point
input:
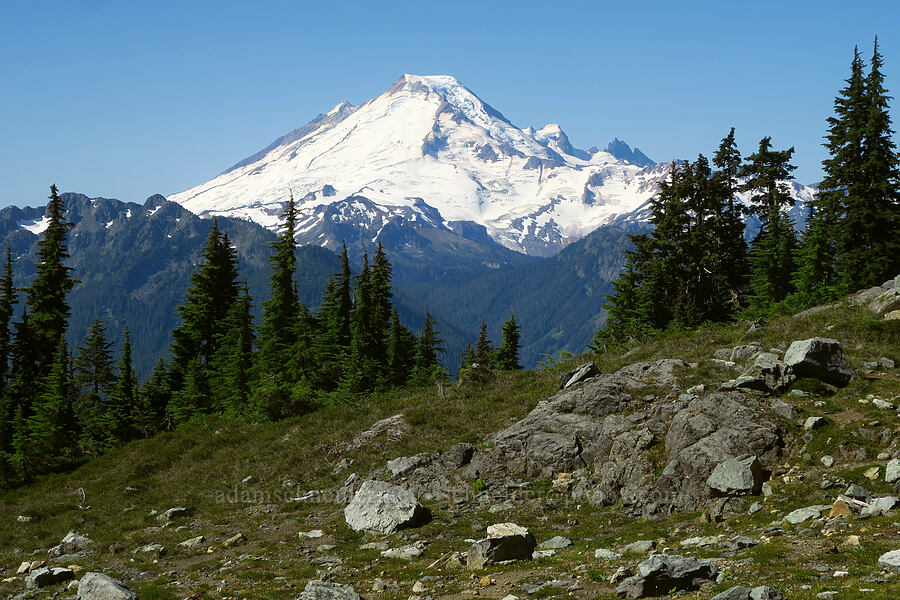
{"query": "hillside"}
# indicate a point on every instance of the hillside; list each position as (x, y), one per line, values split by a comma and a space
(620, 457)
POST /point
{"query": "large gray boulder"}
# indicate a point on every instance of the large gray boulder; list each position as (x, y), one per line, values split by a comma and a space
(385, 508)
(766, 374)
(48, 576)
(737, 476)
(820, 358)
(326, 590)
(97, 586)
(71, 544)
(662, 574)
(506, 541)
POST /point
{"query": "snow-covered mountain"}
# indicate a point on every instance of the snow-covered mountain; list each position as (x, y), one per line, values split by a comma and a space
(428, 152)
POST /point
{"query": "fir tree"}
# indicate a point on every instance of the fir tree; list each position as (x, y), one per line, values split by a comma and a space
(508, 353)
(772, 255)
(207, 303)
(869, 246)
(94, 378)
(233, 362)
(363, 370)
(401, 351)
(332, 344)
(47, 295)
(484, 352)
(427, 368)
(124, 413)
(8, 300)
(48, 444)
(154, 395)
(192, 399)
(278, 333)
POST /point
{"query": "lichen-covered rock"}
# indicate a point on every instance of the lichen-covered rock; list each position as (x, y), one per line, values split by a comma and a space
(820, 358)
(327, 590)
(766, 374)
(383, 507)
(97, 586)
(663, 574)
(72, 543)
(737, 476)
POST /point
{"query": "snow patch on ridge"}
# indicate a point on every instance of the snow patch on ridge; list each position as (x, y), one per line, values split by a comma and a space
(36, 226)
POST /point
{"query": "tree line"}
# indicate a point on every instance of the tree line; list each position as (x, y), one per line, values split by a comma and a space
(60, 407)
(695, 266)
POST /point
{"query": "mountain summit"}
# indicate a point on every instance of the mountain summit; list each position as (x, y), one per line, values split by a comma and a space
(430, 152)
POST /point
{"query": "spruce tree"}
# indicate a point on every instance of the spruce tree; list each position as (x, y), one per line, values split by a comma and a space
(124, 414)
(772, 254)
(278, 333)
(363, 371)
(48, 444)
(485, 356)
(427, 368)
(192, 399)
(331, 345)
(154, 395)
(508, 352)
(8, 300)
(401, 351)
(729, 225)
(47, 295)
(869, 245)
(232, 370)
(207, 303)
(94, 378)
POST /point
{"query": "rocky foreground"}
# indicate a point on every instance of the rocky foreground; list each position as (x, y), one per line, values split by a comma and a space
(755, 471)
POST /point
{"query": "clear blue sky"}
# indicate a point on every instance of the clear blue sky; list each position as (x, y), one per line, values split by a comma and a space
(127, 99)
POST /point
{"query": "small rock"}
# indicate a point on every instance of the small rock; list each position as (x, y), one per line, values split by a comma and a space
(48, 576)
(157, 549)
(892, 471)
(664, 574)
(604, 554)
(880, 506)
(542, 554)
(852, 541)
(821, 358)
(248, 480)
(872, 473)
(555, 543)
(504, 529)
(801, 515)
(880, 403)
(840, 509)
(780, 407)
(311, 535)
(827, 460)
(24, 568)
(385, 508)
(829, 595)
(97, 586)
(505, 541)
(170, 515)
(193, 543)
(234, 540)
(23, 519)
(419, 587)
(754, 508)
(639, 547)
(890, 561)
(814, 423)
(326, 590)
(737, 476)
(857, 492)
(582, 373)
(621, 574)
(72, 543)
(407, 552)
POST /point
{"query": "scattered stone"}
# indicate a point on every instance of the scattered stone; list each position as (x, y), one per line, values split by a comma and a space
(738, 592)
(828, 595)
(740, 542)
(23, 519)
(737, 476)
(45, 576)
(170, 515)
(621, 574)
(505, 541)
(881, 403)
(604, 554)
(754, 508)
(157, 549)
(385, 508)
(767, 489)
(542, 554)
(894, 315)
(310, 535)
(663, 574)
(890, 561)
(555, 543)
(820, 358)
(780, 407)
(326, 590)
(193, 543)
(872, 473)
(852, 541)
(639, 547)
(764, 592)
(766, 374)
(580, 374)
(880, 506)
(702, 542)
(892, 471)
(858, 492)
(24, 568)
(827, 460)
(97, 586)
(801, 515)
(407, 552)
(375, 546)
(812, 423)
(249, 480)
(840, 508)
(742, 353)
(407, 464)
(234, 540)
(419, 587)
(71, 544)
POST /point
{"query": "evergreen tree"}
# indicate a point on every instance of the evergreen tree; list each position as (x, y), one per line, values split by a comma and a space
(278, 333)
(8, 300)
(816, 278)
(47, 295)
(207, 303)
(728, 227)
(401, 351)
(48, 444)
(233, 362)
(427, 368)
(124, 413)
(94, 378)
(192, 399)
(772, 255)
(467, 357)
(362, 373)
(154, 395)
(24, 377)
(508, 353)
(869, 245)
(484, 352)
(331, 345)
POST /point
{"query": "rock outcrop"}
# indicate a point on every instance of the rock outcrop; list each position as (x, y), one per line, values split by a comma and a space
(97, 586)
